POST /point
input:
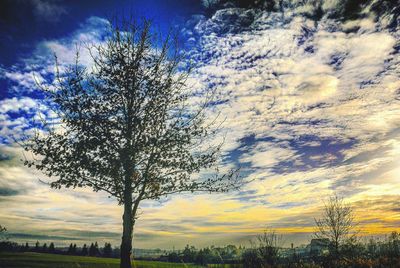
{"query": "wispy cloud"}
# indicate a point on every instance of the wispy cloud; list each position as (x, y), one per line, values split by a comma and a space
(48, 10)
(311, 107)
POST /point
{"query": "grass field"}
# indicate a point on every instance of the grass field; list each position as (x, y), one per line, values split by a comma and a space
(39, 260)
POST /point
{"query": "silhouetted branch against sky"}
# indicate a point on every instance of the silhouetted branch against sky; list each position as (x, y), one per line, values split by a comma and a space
(337, 223)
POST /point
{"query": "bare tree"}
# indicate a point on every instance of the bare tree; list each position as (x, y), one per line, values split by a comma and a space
(337, 223)
(128, 126)
(268, 246)
(264, 250)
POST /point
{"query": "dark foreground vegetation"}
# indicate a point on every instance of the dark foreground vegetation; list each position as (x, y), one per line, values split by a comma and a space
(323, 253)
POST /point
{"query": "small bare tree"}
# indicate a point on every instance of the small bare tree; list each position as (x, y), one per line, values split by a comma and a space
(268, 246)
(128, 126)
(264, 251)
(337, 223)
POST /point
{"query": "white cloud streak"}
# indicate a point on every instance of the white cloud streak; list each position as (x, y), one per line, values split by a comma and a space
(310, 108)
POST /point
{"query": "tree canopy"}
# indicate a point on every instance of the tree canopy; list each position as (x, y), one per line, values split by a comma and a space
(129, 125)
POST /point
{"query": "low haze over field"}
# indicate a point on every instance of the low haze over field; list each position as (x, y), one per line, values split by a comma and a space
(311, 96)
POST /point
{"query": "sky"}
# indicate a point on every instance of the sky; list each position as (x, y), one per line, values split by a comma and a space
(310, 92)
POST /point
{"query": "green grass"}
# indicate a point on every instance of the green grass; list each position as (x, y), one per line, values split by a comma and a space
(39, 260)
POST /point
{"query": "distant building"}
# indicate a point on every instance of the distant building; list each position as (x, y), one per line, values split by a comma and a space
(301, 251)
(319, 246)
(149, 253)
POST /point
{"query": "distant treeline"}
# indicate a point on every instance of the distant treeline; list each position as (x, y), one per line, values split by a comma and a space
(210, 255)
(228, 254)
(92, 250)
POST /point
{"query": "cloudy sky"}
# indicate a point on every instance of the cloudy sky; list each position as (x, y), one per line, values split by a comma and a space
(311, 96)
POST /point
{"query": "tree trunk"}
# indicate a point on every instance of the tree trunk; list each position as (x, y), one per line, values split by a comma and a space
(128, 219)
(127, 231)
